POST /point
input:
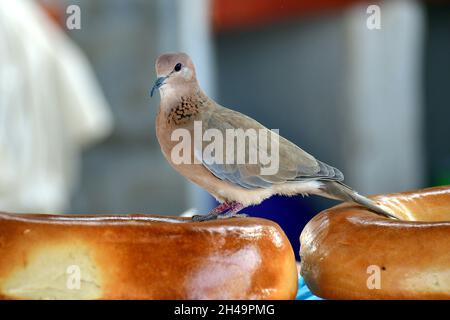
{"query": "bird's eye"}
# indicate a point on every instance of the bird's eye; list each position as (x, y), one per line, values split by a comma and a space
(178, 67)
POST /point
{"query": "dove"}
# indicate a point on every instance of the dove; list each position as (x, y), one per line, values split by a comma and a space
(185, 108)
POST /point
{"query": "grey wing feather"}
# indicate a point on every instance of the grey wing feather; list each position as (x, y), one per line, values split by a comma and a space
(294, 163)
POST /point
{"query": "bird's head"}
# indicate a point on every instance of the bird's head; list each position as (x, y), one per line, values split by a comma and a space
(174, 71)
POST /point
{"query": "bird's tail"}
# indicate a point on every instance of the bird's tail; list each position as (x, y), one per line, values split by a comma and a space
(339, 191)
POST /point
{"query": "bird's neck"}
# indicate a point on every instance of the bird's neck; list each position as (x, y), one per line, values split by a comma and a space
(179, 108)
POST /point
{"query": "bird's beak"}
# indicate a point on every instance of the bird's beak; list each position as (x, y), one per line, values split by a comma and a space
(158, 83)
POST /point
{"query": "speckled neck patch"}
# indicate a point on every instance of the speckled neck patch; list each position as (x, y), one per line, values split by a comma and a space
(184, 111)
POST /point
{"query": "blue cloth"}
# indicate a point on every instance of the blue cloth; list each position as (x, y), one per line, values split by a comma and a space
(303, 292)
(290, 213)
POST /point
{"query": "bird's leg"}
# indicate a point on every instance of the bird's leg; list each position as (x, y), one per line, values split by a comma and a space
(212, 215)
(233, 211)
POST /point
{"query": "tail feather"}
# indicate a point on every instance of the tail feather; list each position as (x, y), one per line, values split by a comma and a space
(338, 190)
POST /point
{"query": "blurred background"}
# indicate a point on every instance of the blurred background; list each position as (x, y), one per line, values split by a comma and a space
(77, 123)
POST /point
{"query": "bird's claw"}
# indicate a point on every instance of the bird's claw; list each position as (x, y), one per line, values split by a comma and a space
(228, 216)
(209, 217)
(200, 218)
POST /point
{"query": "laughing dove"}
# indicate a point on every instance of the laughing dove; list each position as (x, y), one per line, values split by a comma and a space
(192, 131)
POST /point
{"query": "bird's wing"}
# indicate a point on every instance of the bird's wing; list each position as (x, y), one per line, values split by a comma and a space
(294, 164)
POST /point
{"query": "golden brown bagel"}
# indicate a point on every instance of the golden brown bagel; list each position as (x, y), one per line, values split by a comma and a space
(143, 257)
(346, 249)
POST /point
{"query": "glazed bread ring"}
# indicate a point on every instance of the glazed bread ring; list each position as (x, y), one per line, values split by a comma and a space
(143, 257)
(348, 252)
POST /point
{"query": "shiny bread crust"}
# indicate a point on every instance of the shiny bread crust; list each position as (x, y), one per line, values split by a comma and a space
(143, 257)
(348, 252)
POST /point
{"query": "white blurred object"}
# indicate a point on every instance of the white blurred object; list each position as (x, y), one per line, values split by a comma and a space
(50, 107)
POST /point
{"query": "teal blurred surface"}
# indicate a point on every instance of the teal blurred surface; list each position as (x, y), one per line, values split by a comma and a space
(303, 292)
